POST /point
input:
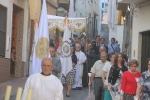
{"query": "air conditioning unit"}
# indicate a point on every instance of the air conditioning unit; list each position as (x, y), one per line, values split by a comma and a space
(122, 6)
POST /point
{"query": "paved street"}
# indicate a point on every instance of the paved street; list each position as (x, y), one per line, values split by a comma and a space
(106, 36)
(15, 83)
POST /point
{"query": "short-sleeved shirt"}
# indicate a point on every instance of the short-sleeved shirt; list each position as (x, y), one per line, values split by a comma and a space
(114, 49)
(145, 82)
(145, 75)
(106, 68)
(97, 68)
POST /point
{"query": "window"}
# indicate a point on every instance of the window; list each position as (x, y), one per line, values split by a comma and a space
(96, 24)
(80, 15)
(102, 5)
(3, 21)
(92, 22)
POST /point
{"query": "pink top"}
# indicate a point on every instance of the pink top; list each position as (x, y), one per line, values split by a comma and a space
(57, 45)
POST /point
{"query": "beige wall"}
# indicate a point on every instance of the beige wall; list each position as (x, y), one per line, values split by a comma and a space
(52, 11)
(55, 1)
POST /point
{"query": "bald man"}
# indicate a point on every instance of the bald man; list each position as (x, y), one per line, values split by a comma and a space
(101, 49)
(44, 85)
(81, 58)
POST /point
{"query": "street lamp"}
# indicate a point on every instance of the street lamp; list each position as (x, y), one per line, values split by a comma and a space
(61, 12)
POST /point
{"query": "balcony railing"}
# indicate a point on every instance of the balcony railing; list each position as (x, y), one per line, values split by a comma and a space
(129, 1)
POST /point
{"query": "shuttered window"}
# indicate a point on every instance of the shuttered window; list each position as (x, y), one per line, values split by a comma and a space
(3, 21)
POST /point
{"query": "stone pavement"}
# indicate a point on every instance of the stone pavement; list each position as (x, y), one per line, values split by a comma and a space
(15, 83)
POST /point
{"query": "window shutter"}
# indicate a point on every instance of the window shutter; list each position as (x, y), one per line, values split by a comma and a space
(3, 21)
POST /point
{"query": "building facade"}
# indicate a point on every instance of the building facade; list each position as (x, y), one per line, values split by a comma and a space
(103, 23)
(13, 33)
(116, 24)
(139, 31)
(90, 9)
(52, 6)
(17, 30)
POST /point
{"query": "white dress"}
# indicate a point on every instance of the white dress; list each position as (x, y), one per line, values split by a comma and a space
(43, 87)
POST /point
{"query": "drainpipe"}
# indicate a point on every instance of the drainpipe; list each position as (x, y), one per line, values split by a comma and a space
(130, 40)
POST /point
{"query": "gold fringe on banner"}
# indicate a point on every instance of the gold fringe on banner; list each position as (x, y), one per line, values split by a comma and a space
(119, 17)
(35, 9)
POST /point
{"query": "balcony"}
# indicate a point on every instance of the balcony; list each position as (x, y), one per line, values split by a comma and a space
(129, 1)
(52, 3)
(65, 4)
(122, 6)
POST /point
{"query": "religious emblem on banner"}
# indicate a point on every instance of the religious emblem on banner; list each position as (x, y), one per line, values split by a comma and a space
(65, 49)
(42, 48)
(67, 21)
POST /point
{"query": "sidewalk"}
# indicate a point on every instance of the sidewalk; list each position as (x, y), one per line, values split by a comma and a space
(14, 83)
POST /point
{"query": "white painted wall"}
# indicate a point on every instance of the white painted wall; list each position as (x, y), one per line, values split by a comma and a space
(9, 5)
(118, 35)
(141, 22)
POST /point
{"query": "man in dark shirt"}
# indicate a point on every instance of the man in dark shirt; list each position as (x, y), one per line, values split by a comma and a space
(90, 57)
(102, 43)
(97, 45)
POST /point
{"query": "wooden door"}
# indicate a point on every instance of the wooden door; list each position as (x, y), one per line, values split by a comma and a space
(145, 54)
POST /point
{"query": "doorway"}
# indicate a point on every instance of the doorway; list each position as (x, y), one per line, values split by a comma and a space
(16, 41)
(145, 53)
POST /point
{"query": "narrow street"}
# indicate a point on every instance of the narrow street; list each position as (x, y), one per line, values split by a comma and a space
(15, 83)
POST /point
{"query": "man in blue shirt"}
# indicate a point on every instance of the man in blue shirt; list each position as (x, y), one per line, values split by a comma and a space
(113, 47)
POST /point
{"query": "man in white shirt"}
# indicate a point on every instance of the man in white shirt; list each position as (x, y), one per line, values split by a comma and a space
(96, 75)
(44, 85)
(81, 58)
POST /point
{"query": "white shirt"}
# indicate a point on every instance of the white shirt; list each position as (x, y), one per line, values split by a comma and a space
(43, 87)
(97, 68)
(81, 56)
(106, 68)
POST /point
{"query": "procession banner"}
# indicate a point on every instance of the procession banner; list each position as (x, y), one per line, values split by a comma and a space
(41, 48)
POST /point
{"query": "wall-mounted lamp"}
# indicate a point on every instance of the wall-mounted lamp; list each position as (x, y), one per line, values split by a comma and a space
(124, 18)
(128, 7)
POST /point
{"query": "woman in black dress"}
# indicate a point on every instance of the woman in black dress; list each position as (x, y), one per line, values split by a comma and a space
(70, 78)
(115, 75)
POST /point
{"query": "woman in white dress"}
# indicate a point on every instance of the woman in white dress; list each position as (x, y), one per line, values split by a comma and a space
(105, 72)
